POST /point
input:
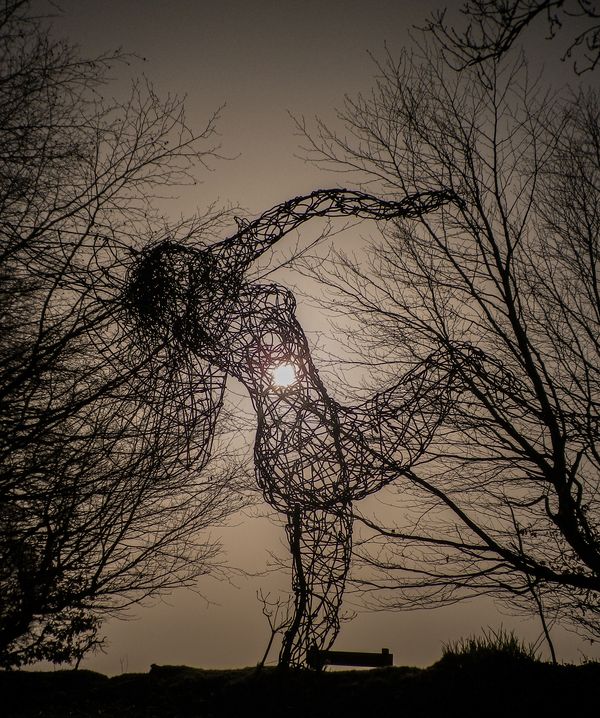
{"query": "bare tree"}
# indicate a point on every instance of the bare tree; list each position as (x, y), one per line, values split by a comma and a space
(279, 614)
(494, 26)
(105, 490)
(502, 282)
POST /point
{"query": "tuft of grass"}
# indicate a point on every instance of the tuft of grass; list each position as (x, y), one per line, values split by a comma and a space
(492, 644)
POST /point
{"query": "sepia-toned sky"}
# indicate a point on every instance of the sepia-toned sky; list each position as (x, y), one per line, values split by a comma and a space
(261, 59)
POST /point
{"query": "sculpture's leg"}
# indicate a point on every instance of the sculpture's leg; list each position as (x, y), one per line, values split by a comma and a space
(321, 545)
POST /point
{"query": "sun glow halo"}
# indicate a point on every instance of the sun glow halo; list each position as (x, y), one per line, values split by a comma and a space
(284, 375)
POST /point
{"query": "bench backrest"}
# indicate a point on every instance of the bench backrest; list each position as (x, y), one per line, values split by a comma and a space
(317, 658)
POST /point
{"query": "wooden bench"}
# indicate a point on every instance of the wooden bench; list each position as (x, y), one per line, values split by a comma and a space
(317, 659)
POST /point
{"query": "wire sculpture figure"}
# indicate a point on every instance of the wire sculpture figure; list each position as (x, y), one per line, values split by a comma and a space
(313, 457)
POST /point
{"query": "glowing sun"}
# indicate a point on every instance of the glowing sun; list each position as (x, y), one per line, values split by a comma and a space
(284, 375)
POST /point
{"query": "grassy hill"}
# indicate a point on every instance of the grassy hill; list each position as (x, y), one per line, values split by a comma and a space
(458, 685)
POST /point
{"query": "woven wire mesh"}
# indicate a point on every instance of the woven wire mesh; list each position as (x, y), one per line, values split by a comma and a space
(313, 457)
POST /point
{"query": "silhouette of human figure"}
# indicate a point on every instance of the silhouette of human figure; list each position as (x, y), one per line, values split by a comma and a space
(313, 457)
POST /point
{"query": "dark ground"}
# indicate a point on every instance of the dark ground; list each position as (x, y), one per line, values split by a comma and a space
(451, 687)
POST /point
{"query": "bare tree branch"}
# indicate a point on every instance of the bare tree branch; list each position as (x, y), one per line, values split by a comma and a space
(503, 286)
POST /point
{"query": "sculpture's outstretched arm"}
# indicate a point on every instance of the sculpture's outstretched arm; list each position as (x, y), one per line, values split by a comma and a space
(237, 252)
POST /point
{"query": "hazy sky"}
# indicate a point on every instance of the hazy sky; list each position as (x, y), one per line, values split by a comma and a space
(261, 58)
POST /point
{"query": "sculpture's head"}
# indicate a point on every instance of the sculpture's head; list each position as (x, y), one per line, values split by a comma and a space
(179, 294)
